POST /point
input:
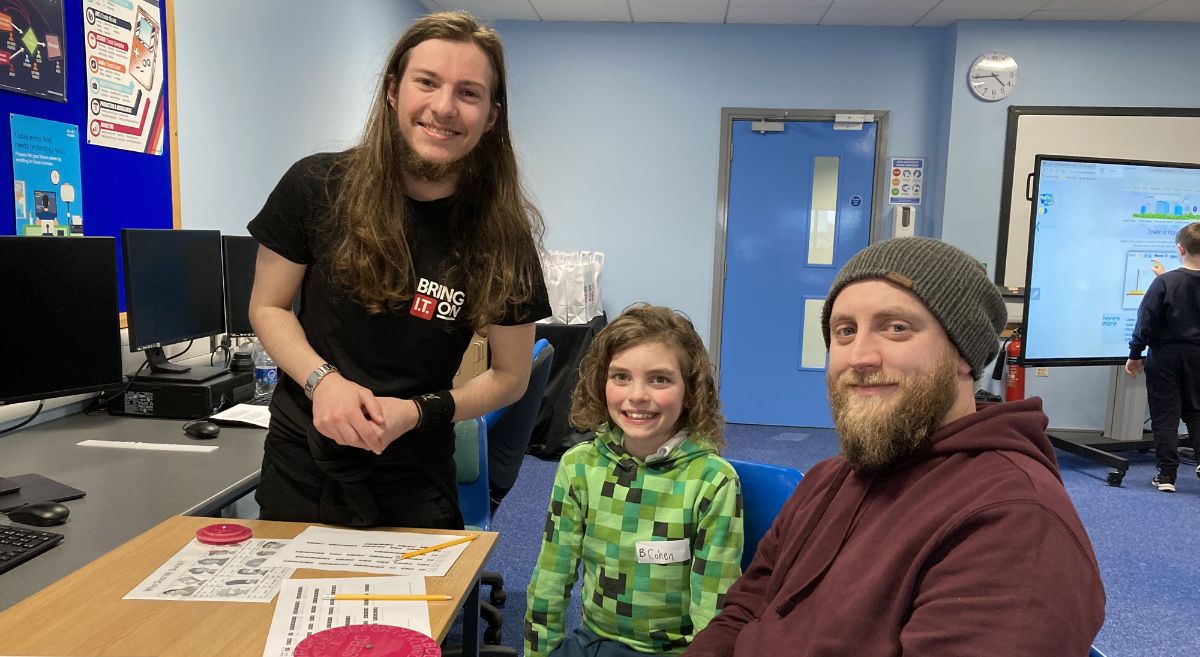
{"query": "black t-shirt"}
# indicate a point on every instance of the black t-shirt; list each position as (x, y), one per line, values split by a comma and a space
(404, 352)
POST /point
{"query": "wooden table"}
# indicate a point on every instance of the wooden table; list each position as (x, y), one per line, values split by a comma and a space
(83, 613)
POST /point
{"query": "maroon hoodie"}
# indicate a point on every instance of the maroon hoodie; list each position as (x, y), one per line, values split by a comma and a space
(969, 548)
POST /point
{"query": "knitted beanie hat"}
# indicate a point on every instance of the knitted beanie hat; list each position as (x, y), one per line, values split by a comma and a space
(952, 285)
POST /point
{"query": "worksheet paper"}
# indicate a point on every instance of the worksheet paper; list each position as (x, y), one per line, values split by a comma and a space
(303, 610)
(357, 550)
(252, 414)
(221, 573)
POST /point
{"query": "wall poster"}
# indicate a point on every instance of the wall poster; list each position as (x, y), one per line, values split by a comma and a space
(123, 43)
(33, 48)
(46, 181)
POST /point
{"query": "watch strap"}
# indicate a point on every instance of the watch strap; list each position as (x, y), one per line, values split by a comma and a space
(323, 370)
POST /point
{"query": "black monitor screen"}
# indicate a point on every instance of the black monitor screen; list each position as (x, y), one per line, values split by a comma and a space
(60, 310)
(172, 286)
(239, 253)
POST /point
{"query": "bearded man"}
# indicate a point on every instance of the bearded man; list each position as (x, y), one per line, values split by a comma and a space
(943, 527)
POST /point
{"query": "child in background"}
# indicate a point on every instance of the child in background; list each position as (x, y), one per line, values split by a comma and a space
(1169, 323)
(651, 510)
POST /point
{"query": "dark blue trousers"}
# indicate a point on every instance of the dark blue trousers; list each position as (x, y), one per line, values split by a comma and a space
(1173, 390)
(586, 643)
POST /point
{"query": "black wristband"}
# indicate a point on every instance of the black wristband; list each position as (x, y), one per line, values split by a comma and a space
(436, 410)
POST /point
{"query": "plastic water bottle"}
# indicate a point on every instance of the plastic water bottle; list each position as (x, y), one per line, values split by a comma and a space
(266, 374)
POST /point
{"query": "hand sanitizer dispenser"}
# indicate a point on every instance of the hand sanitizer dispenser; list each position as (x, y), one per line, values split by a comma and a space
(904, 221)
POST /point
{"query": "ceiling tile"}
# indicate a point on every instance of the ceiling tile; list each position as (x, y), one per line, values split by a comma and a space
(574, 10)
(678, 11)
(494, 10)
(775, 15)
(985, 6)
(940, 16)
(1171, 10)
(873, 5)
(1117, 6)
(921, 13)
(872, 16)
(1100, 15)
(782, 4)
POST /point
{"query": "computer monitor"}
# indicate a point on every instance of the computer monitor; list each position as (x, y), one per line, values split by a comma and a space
(238, 253)
(1099, 229)
(61, 313)
(172, 294)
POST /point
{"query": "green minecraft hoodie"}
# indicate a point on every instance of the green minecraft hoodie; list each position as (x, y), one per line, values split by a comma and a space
(660, 541)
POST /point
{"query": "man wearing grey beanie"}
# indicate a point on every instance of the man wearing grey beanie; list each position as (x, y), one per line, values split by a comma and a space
(943, 528)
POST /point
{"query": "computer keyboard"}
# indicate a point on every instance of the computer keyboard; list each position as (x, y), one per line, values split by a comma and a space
(20, 544)
(262, 400)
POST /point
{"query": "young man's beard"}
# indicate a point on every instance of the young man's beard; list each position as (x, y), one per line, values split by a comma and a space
(876, 433)
(429, 171)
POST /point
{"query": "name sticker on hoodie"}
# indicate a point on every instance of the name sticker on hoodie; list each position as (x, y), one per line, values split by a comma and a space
(664, 551)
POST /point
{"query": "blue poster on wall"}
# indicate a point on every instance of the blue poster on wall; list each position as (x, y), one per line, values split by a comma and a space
(46, 182)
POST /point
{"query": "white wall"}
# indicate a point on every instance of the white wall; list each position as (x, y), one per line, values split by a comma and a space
(262, 83)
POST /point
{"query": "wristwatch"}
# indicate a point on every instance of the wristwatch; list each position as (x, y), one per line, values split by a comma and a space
(310, 384)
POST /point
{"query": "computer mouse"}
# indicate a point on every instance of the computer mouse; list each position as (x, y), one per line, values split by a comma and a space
(202, 430)
(40, 514)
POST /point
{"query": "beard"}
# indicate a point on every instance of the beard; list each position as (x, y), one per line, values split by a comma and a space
(877, 432)
(429, 171)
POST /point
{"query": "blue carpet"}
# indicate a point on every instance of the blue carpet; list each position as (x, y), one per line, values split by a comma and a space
(1147, 542)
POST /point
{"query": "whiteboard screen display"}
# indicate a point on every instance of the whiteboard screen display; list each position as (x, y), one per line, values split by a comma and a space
(1100, 228)
(1127, 133)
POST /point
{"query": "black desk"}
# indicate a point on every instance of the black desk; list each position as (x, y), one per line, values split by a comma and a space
(553, 432)
(128, 491)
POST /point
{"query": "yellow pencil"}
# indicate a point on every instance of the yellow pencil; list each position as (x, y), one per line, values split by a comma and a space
(389, 596)
(439, 546)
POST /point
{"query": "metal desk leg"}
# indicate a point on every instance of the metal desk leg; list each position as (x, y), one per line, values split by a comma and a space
(471, 638)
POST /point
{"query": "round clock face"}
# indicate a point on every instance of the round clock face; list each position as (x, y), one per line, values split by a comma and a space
(993, 75)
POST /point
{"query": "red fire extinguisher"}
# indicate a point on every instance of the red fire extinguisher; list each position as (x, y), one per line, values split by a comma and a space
(1014, 374)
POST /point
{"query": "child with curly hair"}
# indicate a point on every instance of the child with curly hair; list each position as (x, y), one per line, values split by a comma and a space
(649, 507)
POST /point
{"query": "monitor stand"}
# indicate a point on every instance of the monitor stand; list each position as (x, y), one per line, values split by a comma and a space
(162, 369)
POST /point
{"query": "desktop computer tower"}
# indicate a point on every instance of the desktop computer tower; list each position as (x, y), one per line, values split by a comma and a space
(184, 401)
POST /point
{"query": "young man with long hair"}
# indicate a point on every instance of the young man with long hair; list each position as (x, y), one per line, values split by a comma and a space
(400, 248)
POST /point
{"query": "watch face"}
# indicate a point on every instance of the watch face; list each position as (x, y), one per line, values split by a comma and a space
(993, 75)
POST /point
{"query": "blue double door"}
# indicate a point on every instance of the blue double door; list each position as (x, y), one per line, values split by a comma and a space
(799, 206)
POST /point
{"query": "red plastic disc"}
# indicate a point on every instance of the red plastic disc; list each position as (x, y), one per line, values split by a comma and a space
(368, 641)
(223, 534)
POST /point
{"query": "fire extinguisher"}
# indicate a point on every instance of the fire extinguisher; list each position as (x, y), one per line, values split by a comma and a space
(1014, 374)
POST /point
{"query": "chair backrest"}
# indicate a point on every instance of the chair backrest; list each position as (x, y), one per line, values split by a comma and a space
(492, 418)
(470, 459)
(765, 488)
(508, 433)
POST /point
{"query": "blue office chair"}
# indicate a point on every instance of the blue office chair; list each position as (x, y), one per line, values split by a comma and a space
(765, 488)
(470, 460)
(487, 454)
(510, 428)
